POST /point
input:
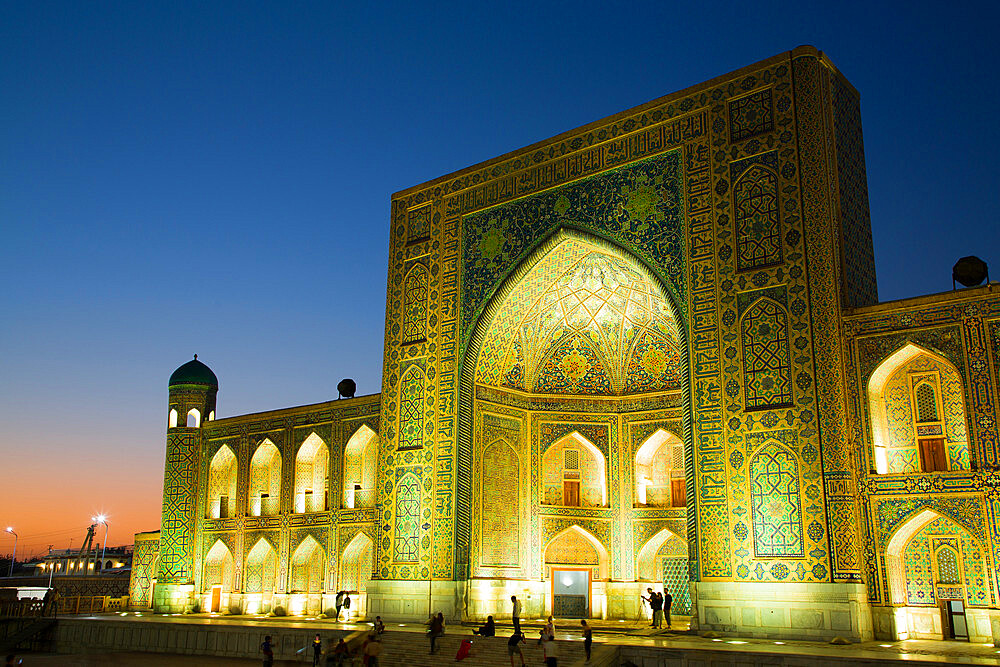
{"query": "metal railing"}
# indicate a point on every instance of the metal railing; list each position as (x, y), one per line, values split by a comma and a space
(92, 604)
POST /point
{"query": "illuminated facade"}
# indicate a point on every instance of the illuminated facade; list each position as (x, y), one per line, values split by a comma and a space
(645, 352)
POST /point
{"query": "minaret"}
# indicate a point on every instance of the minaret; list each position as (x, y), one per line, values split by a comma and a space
(192, 388)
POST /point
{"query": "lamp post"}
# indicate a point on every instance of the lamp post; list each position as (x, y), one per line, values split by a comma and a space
(13, 556)
(100, 518)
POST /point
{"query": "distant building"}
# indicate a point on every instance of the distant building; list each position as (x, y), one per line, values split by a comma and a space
(646, 352)
(68, 562)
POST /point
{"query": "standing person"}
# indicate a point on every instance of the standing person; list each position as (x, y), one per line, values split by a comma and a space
(347, 606)
(649, 599)
(656, 602)
(588, 638)
(436, 630)
(317, 649)
(516, 613)
(336, 655)
(379, 626)
(268, 651)
(667, 601)
(514, 647)
(340, 602)
(550, 628)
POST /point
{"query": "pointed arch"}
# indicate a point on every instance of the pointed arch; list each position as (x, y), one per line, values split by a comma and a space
(193, 418)
(261, 572)
(411, 408)
(172, 418)
(221, 495)
(659, 471)
(308, 566)
(219, 567)
(645, 558)
(415, 304)
(573, 464)
(311, 478)
(359, 468)
(767, 370)
(356, 563)
(500, 532)
(776, 502)
(405, 546)
(916, 404)
(577, 546)
(265, 480)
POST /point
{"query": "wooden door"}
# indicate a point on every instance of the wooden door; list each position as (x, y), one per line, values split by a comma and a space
(932, 456)
(216, 598)
(678, 496)
(571, 492)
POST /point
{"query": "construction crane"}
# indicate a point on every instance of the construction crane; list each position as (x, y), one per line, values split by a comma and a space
(88, 542)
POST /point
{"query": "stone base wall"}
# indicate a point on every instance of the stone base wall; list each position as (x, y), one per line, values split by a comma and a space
(173, 598)
(415, 600)
(784, 611)
(898, 623)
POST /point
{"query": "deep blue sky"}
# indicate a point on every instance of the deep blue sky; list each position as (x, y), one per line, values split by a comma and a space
(215, 178)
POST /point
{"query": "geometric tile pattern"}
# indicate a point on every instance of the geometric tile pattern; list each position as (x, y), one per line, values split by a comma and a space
(407, 530)
(500, 508)
(758, 225)
(676, 582)
(766, 363)
(944, 552)
(751, 115)
(415, 305)
(776, 504)
(411, 414)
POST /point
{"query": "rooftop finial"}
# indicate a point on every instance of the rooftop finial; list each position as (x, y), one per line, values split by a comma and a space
(196, 357)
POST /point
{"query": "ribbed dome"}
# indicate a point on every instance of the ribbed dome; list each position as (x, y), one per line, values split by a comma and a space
(194, 372)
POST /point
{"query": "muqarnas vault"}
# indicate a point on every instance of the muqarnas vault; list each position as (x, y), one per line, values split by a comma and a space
(647, 352)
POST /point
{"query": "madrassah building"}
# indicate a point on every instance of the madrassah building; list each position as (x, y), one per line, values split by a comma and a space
(646, 352)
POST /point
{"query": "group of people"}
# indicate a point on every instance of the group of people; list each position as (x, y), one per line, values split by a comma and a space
(343, 602)
(660, 604)
(337, 652)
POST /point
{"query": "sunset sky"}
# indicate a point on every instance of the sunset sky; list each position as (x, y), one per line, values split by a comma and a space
(212, 178)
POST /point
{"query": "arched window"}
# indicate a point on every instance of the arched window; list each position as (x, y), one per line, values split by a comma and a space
(311, 476)
(308, 567)
(574, 473)
(411, 409)
(659, 471)
(500, 506)
(172, 422)
(265, 481)
(261, 569)
(407, 531)
(916, 400)
(758, 225)
(775, 503)
(218, 570)
(221, 501)
(193, 418)
(415, 305)
(356, 565)
(947, 566)
(359, 468)
(766, 360)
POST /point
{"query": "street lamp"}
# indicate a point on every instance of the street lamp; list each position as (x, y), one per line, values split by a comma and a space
(13, 555)
(100, 518)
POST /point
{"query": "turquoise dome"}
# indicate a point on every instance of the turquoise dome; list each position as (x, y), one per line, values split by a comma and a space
(194, 372)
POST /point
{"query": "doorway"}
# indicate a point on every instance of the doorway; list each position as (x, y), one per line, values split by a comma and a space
(955, 624)
(216, 599)
(571, 592)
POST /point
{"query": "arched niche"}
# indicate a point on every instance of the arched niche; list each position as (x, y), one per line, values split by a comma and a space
(264, 496)
(574, 473)
(647, 556)
(219, 568)
(311, 478)
(916, 403)
(577, 546)
(359, 468)
(221, 497)
(261, 572)
(659, 471)
(308, 567)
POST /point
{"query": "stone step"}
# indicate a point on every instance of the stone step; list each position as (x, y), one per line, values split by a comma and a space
(410, 648)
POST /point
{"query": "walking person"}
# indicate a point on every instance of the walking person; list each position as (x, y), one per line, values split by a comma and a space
(268, 651)
(514, 647)
(339, 602)
(588, 638)
(317, 649)
(436, 630)
(667, 601)
(516, 613)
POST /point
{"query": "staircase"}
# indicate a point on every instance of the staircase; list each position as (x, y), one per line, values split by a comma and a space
(412, 649)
